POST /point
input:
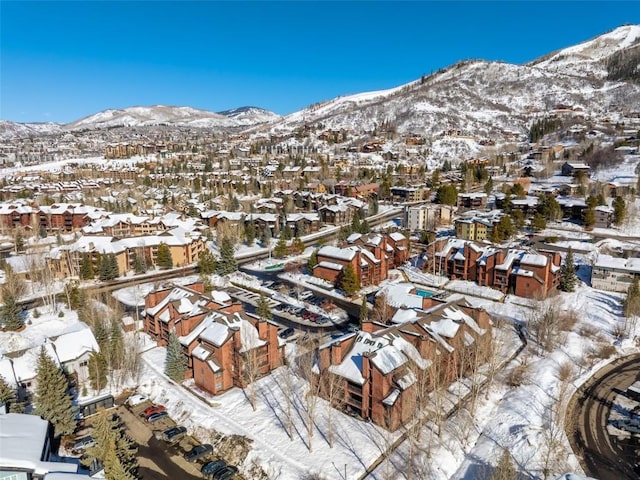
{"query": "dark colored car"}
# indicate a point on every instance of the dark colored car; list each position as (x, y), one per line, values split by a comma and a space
(198, 452)
(211, 468)
(226, 473)
(174, 434)
(154, 417)
(286, 333)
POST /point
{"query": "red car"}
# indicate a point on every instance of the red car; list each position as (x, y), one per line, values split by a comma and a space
(153, 409)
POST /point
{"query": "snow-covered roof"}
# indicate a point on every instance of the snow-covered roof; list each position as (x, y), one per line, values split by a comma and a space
(388, 358)
(75, 343)
(404, 315)
(397, 236)
(631, 265)
(216, 334)
(24, 366)
(399, 295)
(330, 265)
(534, 259)
(23, 438)
(390, 399)
(345, 254)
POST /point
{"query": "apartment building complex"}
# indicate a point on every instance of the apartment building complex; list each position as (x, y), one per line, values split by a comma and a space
(381, 372)
(370, 256)
(614, 274)
(524, 273)
(224, 346)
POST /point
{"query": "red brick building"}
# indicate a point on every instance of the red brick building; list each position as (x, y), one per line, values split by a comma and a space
(382, 371)
(524, 273)
(224, 345)
(371, 257)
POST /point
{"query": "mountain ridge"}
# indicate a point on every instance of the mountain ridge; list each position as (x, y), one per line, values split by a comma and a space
(478, 97)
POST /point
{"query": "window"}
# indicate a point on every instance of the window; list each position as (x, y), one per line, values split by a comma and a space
(84, 364)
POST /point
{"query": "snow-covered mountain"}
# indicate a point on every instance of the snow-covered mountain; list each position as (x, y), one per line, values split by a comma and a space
(475, 99)
(488, 99)
(242, 117)
(589, 58)
(10, 130)
(251, 115)
(174, 116)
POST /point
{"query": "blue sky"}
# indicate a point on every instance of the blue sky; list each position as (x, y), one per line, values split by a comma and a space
(64, 60)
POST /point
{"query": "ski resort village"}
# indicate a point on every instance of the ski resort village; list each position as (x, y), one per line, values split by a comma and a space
(436, 281)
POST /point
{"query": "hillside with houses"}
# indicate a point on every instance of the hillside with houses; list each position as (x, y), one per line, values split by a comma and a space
(430, 281)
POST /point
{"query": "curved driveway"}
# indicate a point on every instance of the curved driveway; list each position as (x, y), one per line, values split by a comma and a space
(603, 456)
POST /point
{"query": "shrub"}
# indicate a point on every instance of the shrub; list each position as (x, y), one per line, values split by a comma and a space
(60, 314)
(36, 313)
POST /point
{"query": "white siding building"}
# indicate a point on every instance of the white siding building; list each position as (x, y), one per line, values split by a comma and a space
(614, 274)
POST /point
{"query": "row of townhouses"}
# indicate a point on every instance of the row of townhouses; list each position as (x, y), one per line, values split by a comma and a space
(521, 272)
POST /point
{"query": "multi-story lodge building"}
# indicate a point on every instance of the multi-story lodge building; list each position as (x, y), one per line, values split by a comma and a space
(523, 273)
(428, 217)
(56, 218)
(224, 345)
(382, 372)
(614, 274)
(371, 257)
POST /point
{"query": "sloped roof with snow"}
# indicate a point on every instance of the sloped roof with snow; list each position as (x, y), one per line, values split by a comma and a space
(73, 344)
(345, 254)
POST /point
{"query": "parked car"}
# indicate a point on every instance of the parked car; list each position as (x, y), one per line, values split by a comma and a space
(136, 399)
(153, 409)
(211, 468)
(198, 452)
(226, 473)
(174, 434)
(83, 443)
(154, 417)
(286, 333)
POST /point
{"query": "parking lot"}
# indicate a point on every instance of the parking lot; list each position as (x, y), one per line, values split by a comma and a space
(158, 459)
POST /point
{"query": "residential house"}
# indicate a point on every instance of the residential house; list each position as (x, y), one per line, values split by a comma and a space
(614, 274)
(572, 169)
(27, 452)
(472, 201)
(603, 216)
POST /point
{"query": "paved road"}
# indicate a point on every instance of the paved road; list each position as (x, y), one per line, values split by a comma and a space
(604, 456)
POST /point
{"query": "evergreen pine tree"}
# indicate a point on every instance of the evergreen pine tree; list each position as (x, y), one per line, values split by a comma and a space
(313, 260)
(10, 314)
(632, 302)
(207, 263)
(113, 449)
(116, 346)
(619, 210)
(262, 308)
(164, 256)
(52, 401)
(281, 249)
(250, 233)
(175, 362)
(98, 370)
(227, 263)
(568, 277)
(114, 270)
(349, 280)
(104, 269)
(9, 398)
(538, 222)
(86, 267)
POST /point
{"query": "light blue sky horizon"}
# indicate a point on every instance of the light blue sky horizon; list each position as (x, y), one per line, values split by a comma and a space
(61, 61)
